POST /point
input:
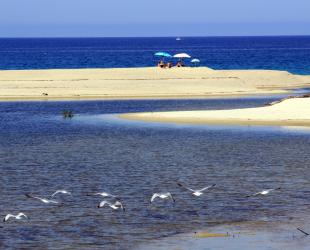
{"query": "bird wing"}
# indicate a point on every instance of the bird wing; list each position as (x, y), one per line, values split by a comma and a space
(46, 200)
(154, 196)
(22, 214)
(38, 198)
(34, 197)
(62, 192)
(102, 203)
(41, 199)
(8, 216)
(258, 193)
(189, 189)
(58, 191)
(206, 188)
(270, 190)
(98, 194)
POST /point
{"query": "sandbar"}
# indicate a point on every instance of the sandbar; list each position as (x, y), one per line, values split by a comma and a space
(289, 112)
(143, 83)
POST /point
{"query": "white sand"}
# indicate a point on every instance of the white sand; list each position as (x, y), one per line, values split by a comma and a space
(294, 112)
(135, 83)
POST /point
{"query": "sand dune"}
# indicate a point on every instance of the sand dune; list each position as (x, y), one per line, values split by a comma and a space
(135, 83)
(290, 112)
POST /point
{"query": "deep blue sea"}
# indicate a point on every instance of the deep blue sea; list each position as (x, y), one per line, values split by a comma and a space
(284, 53)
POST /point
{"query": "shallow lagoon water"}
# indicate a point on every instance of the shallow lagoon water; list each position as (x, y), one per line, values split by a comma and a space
(95, 151)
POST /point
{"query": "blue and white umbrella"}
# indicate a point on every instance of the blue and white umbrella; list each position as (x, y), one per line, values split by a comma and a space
(162, 54)
(195, 61)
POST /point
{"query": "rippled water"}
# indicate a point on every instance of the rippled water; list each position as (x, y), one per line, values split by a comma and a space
(289, 53)
(41, 152)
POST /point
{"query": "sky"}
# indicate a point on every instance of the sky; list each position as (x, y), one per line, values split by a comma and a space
(144, 18)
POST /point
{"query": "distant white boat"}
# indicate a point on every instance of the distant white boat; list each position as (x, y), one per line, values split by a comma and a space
(178, 39)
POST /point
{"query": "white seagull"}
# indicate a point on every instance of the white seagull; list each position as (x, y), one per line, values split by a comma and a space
(115, 206)
(46, 201)
(263, 192)
(105, 194)
(197, 192)
(61, 192)
(17, 217)
(162, 196)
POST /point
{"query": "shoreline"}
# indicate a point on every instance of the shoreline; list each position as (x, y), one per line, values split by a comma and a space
(144, 83)
(301, 123)
(289, 112)
(245, 235)
(137, 98)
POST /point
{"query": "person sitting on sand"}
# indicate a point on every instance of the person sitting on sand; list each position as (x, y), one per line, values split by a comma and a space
(161, 64)
(180, 64)
(169, 65)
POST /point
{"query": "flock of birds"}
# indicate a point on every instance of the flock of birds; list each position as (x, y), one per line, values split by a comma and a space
(116, 204)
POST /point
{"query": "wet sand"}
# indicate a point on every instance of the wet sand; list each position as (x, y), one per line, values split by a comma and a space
(248, 235)
(143, 83)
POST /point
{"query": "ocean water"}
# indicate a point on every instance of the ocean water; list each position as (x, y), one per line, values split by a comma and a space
(95, 151)
(281, 53)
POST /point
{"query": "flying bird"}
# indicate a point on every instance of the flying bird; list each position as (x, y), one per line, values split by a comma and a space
(197, 192)
(61, 192)
(116, 205)
(17, 217)
(44, 200)
(263, 192)
(162, 196)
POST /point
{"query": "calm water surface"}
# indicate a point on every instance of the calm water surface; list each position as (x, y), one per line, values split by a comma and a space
(289, 53)
(41, 152)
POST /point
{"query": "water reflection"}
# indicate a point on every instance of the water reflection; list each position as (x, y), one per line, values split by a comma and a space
(115, 120)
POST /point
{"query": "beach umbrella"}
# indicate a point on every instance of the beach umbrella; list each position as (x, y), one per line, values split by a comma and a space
(195, 61)
(163, 54)
(182, 55)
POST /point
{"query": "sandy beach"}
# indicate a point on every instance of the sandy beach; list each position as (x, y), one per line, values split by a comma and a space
(290, 112)
(143, 83)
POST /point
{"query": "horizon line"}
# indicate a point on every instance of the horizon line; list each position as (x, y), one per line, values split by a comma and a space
(199, 36)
